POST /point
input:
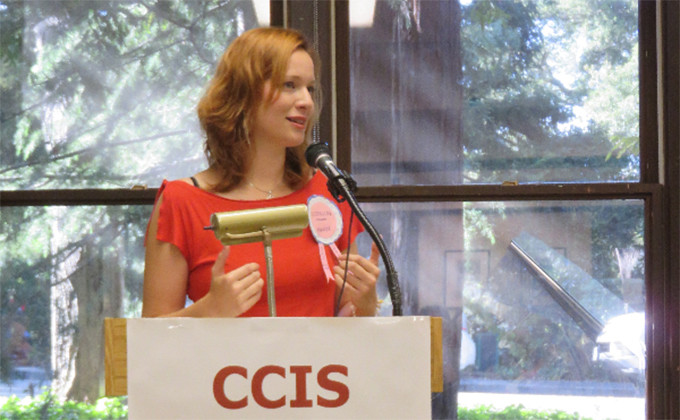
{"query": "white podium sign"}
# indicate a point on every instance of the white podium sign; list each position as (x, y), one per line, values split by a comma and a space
(264, 368)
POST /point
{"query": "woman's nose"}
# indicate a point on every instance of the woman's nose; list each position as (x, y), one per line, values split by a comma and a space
(305, 98)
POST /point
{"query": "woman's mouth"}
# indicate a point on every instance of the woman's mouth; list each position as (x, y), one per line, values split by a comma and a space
(299, 122)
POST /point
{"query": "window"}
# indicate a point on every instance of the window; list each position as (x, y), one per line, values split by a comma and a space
(97, 97)
(534, 294)
(436, 105)
(468, 120)
(64, 270)
(490, 91)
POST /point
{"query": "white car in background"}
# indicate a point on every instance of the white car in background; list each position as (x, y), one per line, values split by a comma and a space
(622, 343)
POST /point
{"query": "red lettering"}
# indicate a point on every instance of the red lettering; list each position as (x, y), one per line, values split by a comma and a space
(218, 387)
(301, 399)
(256, 387)
(334, 386)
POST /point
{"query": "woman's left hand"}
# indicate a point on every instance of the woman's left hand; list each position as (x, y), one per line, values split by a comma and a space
(359, 296)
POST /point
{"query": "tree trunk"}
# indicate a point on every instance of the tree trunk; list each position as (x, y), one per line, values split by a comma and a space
(98, 285)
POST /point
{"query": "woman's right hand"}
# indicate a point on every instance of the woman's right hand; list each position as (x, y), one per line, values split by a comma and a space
(233, 293)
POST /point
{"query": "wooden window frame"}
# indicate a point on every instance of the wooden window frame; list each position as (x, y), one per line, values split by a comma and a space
(659, 186)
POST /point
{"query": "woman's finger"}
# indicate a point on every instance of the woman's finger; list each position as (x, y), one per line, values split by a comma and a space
(375, 254)
(220, 261)
(367, 265)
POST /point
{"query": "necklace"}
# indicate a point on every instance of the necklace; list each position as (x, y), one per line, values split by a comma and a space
(269, 193)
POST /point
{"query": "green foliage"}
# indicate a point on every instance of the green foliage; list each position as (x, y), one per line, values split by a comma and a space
(477, 223)
(48, 407)
(103, 93)
(514, 412)
(546, 81)
(628, 235)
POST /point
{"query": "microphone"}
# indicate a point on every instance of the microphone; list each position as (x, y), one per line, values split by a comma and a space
(340, 183)
(318, 155)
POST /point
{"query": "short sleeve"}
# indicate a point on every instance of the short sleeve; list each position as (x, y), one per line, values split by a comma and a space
(172, 227)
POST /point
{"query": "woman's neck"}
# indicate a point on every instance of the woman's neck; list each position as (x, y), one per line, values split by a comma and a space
(263, 180)
(267, 167)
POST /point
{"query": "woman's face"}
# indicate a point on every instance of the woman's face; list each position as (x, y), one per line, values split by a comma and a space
(283, 120)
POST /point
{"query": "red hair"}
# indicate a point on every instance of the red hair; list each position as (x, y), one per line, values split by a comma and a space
(228, 107)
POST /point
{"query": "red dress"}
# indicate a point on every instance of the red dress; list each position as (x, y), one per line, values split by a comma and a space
(301, 288)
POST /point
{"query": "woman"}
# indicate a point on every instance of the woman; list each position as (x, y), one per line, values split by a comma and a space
(257, 113)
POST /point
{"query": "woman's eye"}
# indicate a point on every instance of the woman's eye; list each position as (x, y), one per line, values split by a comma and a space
(311, 89)
(289, 85)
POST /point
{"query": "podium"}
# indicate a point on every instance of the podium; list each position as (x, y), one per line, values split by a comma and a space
(274, 367)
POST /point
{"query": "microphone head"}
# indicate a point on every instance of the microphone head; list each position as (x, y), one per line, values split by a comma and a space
(314, 151)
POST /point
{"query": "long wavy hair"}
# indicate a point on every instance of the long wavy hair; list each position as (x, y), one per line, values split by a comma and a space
(228, 107)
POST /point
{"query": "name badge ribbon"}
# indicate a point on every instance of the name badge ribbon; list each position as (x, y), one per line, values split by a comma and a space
(325, 222)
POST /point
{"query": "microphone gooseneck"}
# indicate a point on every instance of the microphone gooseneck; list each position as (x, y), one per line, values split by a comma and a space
(342, 187)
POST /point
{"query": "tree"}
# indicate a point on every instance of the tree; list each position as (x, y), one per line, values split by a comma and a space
(531, 105)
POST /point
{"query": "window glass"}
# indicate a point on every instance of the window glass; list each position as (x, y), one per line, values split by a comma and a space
(103, 94)
(543, 302)
(65, 269)
(486, 91)
(548, 297)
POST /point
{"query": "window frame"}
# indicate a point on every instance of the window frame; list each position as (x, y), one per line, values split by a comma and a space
(659, 187)
(659, 184)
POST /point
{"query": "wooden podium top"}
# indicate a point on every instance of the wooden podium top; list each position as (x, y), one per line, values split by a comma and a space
(115, 348)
